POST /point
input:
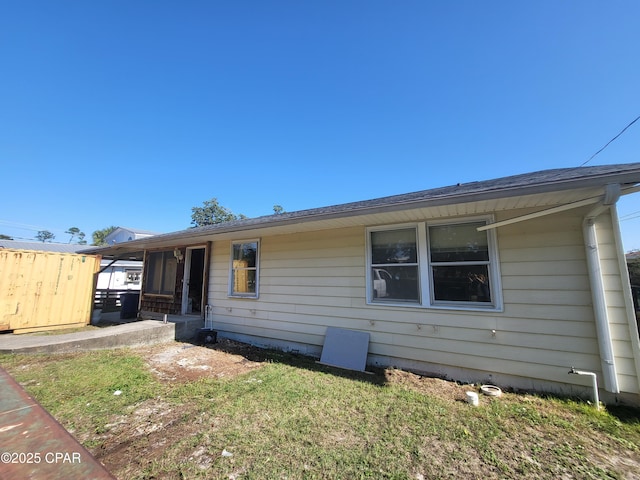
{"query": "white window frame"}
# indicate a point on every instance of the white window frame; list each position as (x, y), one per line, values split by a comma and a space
(370, 266)
(231, 293)
(136, 272)
(424, 268)
(492, 267)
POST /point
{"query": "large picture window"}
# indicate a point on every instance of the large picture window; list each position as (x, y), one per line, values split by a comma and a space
(243, 280)
(435, 264)
(161, 273)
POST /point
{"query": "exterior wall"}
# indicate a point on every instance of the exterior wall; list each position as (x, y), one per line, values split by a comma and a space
(548, 315)
(45, 290)
(307, 282)
(310, 281)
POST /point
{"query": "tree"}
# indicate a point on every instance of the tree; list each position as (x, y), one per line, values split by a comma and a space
(75, 232)
(212, 213)
(277, 209)
(45, 236)
(99, 236)
(634, 267)
(5, 237)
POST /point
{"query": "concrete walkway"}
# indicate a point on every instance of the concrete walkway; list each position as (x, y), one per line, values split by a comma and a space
(131, 334)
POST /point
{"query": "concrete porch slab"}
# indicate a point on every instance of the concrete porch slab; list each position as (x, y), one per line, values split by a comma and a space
(144, 332)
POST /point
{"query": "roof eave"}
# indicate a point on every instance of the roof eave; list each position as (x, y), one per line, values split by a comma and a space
(203, 234)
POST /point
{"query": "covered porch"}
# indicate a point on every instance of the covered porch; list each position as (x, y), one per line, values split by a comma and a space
(173, 283)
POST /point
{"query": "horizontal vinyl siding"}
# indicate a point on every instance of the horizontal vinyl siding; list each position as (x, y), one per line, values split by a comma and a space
(310, 281)
(307, 282)
(547, 297)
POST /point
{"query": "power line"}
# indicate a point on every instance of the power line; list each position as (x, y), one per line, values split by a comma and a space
(610, 141)
(32, 228)
(21, 226)
(637, 212)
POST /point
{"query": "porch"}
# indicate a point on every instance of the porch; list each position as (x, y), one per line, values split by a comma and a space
(113, 333)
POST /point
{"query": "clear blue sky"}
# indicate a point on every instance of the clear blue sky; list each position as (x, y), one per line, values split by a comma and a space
(130, 113)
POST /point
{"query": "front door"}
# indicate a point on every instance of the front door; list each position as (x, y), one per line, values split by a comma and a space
(193, 288)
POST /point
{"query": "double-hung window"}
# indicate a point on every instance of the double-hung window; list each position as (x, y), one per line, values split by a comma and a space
(439, 264)
(394, 265)
(243, 279)
(459, 263)
(161, 273)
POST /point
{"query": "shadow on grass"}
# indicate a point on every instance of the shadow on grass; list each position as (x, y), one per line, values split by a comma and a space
(625, 414)
(252, 353)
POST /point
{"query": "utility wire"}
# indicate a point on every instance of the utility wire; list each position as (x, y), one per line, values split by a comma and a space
(630, 217)
(632, 214)
(610, 141)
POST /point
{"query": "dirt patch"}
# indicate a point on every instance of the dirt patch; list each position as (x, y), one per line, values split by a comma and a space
(129, 443)
(434, 387)
(185, 362)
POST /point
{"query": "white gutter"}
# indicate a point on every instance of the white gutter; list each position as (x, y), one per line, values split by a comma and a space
(542, 213)
(605, 344)
(549, 211)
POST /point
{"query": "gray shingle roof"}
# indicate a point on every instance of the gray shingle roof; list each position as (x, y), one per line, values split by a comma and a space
(516, 185)
(556, 179)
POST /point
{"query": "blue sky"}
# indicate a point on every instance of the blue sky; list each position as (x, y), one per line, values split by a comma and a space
(130, 113)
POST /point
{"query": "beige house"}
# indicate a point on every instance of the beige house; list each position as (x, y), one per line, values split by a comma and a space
(512, 281)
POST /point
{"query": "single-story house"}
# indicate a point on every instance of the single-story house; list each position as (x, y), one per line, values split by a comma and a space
(126, 234)
(511, 281)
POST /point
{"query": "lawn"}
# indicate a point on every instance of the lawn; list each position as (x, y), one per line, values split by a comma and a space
(271, 415)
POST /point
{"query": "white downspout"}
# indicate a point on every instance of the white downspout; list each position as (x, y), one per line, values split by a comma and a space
(605, 344)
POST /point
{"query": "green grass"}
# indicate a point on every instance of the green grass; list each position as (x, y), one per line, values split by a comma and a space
(295, 419)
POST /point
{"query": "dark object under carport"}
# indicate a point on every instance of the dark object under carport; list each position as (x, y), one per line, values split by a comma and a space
(129, 302)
